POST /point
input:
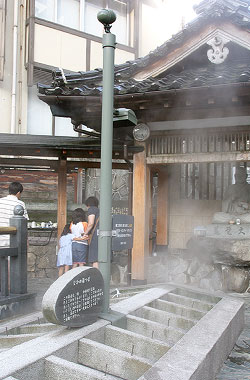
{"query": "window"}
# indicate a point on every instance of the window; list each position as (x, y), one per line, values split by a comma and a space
(120, 27)
(68, 13)
(90, 23)
(206, 180)
(82, 15)
(46, 9)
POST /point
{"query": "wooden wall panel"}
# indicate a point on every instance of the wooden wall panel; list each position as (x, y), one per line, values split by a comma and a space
(162, 208)
(141, 212)
(62, 196)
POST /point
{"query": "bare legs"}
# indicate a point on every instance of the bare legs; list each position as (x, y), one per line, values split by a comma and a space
(63, 269)
(78, 264)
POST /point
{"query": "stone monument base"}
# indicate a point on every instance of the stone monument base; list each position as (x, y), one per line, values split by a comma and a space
(17, 304)
(226, 247)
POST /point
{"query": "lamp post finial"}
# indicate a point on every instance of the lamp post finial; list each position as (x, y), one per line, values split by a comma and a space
(106, 17)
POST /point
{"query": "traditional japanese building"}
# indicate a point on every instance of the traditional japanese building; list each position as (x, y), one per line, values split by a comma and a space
(191, 97)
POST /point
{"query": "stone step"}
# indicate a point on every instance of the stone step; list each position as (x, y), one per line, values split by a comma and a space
(3, 349)
(9, 341)
(19, 321)
(174, 308)
(57, 368)
(111, 360)
(115, 300)
(166, 318)
(38, 321)
(131, 342)
(189, 302)
(123, 293)
(34, 328)
(196, 295)
(154, 330)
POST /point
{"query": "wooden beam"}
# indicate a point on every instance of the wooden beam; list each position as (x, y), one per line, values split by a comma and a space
(162, 208)
(79, 187)
(62, 196)
(198, 157)
(141, 217)
(193, 113)
(7, 230)
(150, 198)
(24, 163)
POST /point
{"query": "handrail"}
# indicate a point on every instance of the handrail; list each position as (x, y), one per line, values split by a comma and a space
(14, 258)
(8, 230)
(8, 251)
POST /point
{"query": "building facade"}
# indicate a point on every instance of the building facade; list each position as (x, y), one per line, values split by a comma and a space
(38, 36)
(191, 98)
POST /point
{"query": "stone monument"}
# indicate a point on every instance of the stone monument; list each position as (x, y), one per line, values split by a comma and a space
(226, 242)
(236, 201)
(74, 299)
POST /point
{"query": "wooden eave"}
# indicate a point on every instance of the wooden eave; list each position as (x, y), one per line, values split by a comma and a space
(52, 146)
(186, 104)
(180, 104)
(228, 30)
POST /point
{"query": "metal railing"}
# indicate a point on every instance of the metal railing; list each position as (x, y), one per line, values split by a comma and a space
(13, 259)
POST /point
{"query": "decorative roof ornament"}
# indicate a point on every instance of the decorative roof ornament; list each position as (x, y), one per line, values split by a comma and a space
(219, 52)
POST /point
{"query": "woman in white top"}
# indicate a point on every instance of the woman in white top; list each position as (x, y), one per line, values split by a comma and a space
(79, 246)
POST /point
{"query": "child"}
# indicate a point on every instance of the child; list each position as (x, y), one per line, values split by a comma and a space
(64, 256)
(79, 244)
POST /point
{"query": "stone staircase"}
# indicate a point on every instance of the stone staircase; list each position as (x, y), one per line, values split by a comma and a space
(126, 349)
(12, 337)
(23, 333)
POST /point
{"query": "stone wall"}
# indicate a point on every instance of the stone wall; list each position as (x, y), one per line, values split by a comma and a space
(120, 188)
(41, 261)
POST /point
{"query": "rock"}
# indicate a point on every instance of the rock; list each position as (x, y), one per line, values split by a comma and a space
(157, 273)
(200, 248)
(219, 250)
(46, 261)
(115, 274)
(40, 273)
(177, 265)
(193, 267)
(232, 251)
(203, 271)
(235, 279)
(216, 280)
(193, 281)
(205, 283)
(180, 278)
(51, 273)
(31, 260)
(75, 299)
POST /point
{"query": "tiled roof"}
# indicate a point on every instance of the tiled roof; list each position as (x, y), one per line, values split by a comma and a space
(236, 10)
(198, 77)
(90, 83)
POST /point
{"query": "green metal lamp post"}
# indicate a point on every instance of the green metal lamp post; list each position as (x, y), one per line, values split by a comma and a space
(106, 17)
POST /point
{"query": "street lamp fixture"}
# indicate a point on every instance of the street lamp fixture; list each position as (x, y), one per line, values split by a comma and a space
(121, 117)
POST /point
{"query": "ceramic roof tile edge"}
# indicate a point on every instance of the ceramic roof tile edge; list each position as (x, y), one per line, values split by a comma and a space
(223, 74)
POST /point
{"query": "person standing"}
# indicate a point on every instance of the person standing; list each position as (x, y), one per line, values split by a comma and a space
(80, 243)
(92, 204)
(64, 256)
(7, 205)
